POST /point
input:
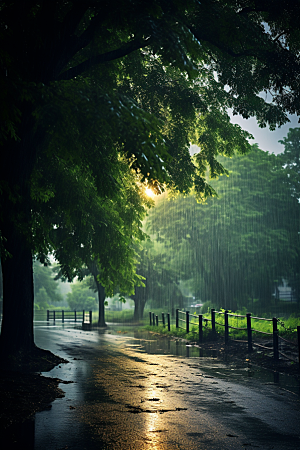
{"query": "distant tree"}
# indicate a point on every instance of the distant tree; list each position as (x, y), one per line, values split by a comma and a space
(235, 246)
(81, 296)
(290, 162)
(160, 280)
(46, 288)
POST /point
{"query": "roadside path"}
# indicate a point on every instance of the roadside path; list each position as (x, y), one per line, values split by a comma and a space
(122, 398)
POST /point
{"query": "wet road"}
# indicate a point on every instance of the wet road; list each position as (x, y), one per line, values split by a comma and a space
(122, 397)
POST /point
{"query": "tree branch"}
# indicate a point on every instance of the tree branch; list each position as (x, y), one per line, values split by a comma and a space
(126, 49)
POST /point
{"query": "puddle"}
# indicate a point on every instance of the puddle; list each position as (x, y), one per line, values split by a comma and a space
(242, 371)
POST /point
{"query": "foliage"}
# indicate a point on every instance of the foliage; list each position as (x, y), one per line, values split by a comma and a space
(234, 247)
(81, 297)
(290, 160)
(45, 287)
(160, 283)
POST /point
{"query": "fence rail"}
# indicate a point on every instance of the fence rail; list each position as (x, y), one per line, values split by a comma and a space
(184, 319)
(81, 316)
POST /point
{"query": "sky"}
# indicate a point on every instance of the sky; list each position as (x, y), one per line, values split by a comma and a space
(267, 140)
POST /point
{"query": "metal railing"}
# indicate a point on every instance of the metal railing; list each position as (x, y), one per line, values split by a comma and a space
(82, 316)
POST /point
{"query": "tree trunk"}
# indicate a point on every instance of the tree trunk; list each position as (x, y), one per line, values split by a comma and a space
(17, 324)
(16, 167)
(93, 268)
(139, 306)
(101, 297)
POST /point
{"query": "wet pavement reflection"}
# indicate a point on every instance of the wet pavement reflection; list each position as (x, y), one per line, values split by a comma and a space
(129, 392)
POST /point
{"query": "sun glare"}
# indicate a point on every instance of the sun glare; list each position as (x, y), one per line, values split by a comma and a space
(150, 193)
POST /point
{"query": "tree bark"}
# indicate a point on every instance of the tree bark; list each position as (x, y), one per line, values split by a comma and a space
(16, 167)
(101, 297)
(139, 306)
(17, 324)
(92, 266)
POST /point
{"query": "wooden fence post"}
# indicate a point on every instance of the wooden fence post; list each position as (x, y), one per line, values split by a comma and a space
(169, 324)
(187, 322)
(150, 317)
(275, 339)
(156, 318)
(91, 317)
(153, 319)
(163, 319)
(249, 332)
(226, 327)
(200, 329)
(83, 313)
(177, 318)
(62, 316)
(53, 316)
(213, 321)
(47, 315)
(75, 315)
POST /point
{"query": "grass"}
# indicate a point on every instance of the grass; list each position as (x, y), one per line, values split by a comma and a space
(287, 328)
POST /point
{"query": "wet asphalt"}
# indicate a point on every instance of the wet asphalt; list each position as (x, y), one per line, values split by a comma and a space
(126, 393)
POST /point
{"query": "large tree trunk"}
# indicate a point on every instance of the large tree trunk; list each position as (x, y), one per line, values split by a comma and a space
(16, 167)
(17, 323)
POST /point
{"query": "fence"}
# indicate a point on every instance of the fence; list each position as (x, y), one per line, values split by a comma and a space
(194, 323)
(83, 316)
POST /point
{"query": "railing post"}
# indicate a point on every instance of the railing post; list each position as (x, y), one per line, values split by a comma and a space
(163, 319)
(62, 316)
(177, 318)
(83, 313)
(226, 327)
(187, 322)
(91, 317)
(75, 315)
(200, 329)
(275, 339)
(53, 316)
(47, 315)
(169, 324)
(249, 333)
(150, 317)
(298, 333)
(156, 318)
(213, 321)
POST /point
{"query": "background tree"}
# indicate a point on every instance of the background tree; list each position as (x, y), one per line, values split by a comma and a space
(160, 285)
(236, 246)
(81, 296)
(46, 288)
(290, 161)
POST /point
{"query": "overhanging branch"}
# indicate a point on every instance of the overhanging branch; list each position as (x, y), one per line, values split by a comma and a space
(126, 49)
